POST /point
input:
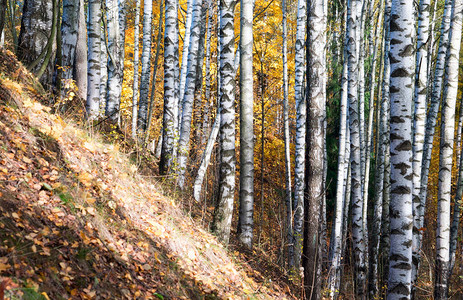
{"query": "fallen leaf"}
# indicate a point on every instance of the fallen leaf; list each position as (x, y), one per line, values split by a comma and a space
(4, 267)
(45, 295)
(91, 211)
(191, 254)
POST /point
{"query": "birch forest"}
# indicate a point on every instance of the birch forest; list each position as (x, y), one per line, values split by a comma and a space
(322, 139)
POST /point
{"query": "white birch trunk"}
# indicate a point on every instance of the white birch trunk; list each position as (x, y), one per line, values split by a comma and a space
(103, 69)
(224, 209)
(214, 131)
(121, 55)
(170, 101)
(198, 101)
(94, 66)
(447, 135)
(421, 92)
(246, 210)
(69, 32)
(381, 149)
(458, 138)
(80, 65)
(402, 61)
(337, 231)
(136, 60)
(355, 151)
(206, 158)
(299, 165)
(114, 62)
(346, 206)
(315, 141)
(145, 68)
(188, 97)
(369, 149)
(34, 37)
(434, 107)
(288, 200)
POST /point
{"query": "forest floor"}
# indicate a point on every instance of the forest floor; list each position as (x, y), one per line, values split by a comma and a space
(77, 219)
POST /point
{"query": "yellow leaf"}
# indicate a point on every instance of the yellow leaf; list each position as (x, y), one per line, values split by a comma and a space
(91, 200)
(4, 267)
(156, 257)
(85, 178)
(45, 295)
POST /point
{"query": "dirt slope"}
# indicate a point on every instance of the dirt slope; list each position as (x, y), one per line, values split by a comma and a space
(77, 220)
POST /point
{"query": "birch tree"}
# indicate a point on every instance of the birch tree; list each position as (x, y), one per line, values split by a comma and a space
(145, 67)
(402, 61)
(94, 50)
(136, 59)
(315, 140)
(36, 42)
(288, 196)
(299, 94)
(114, 62)
(197, 102)
(80, 65)
(245, 225)
(447, 134)
(384, 242)
(337, 233)
(122, 6)
(431, 117)
(188, 96)
(69, 33)
(381, 152)
(374, 45)
(458, 138)
(170, 125)
(421, 92)
(356, 185)
(224, 208)
(206, 157)
(103, 64)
